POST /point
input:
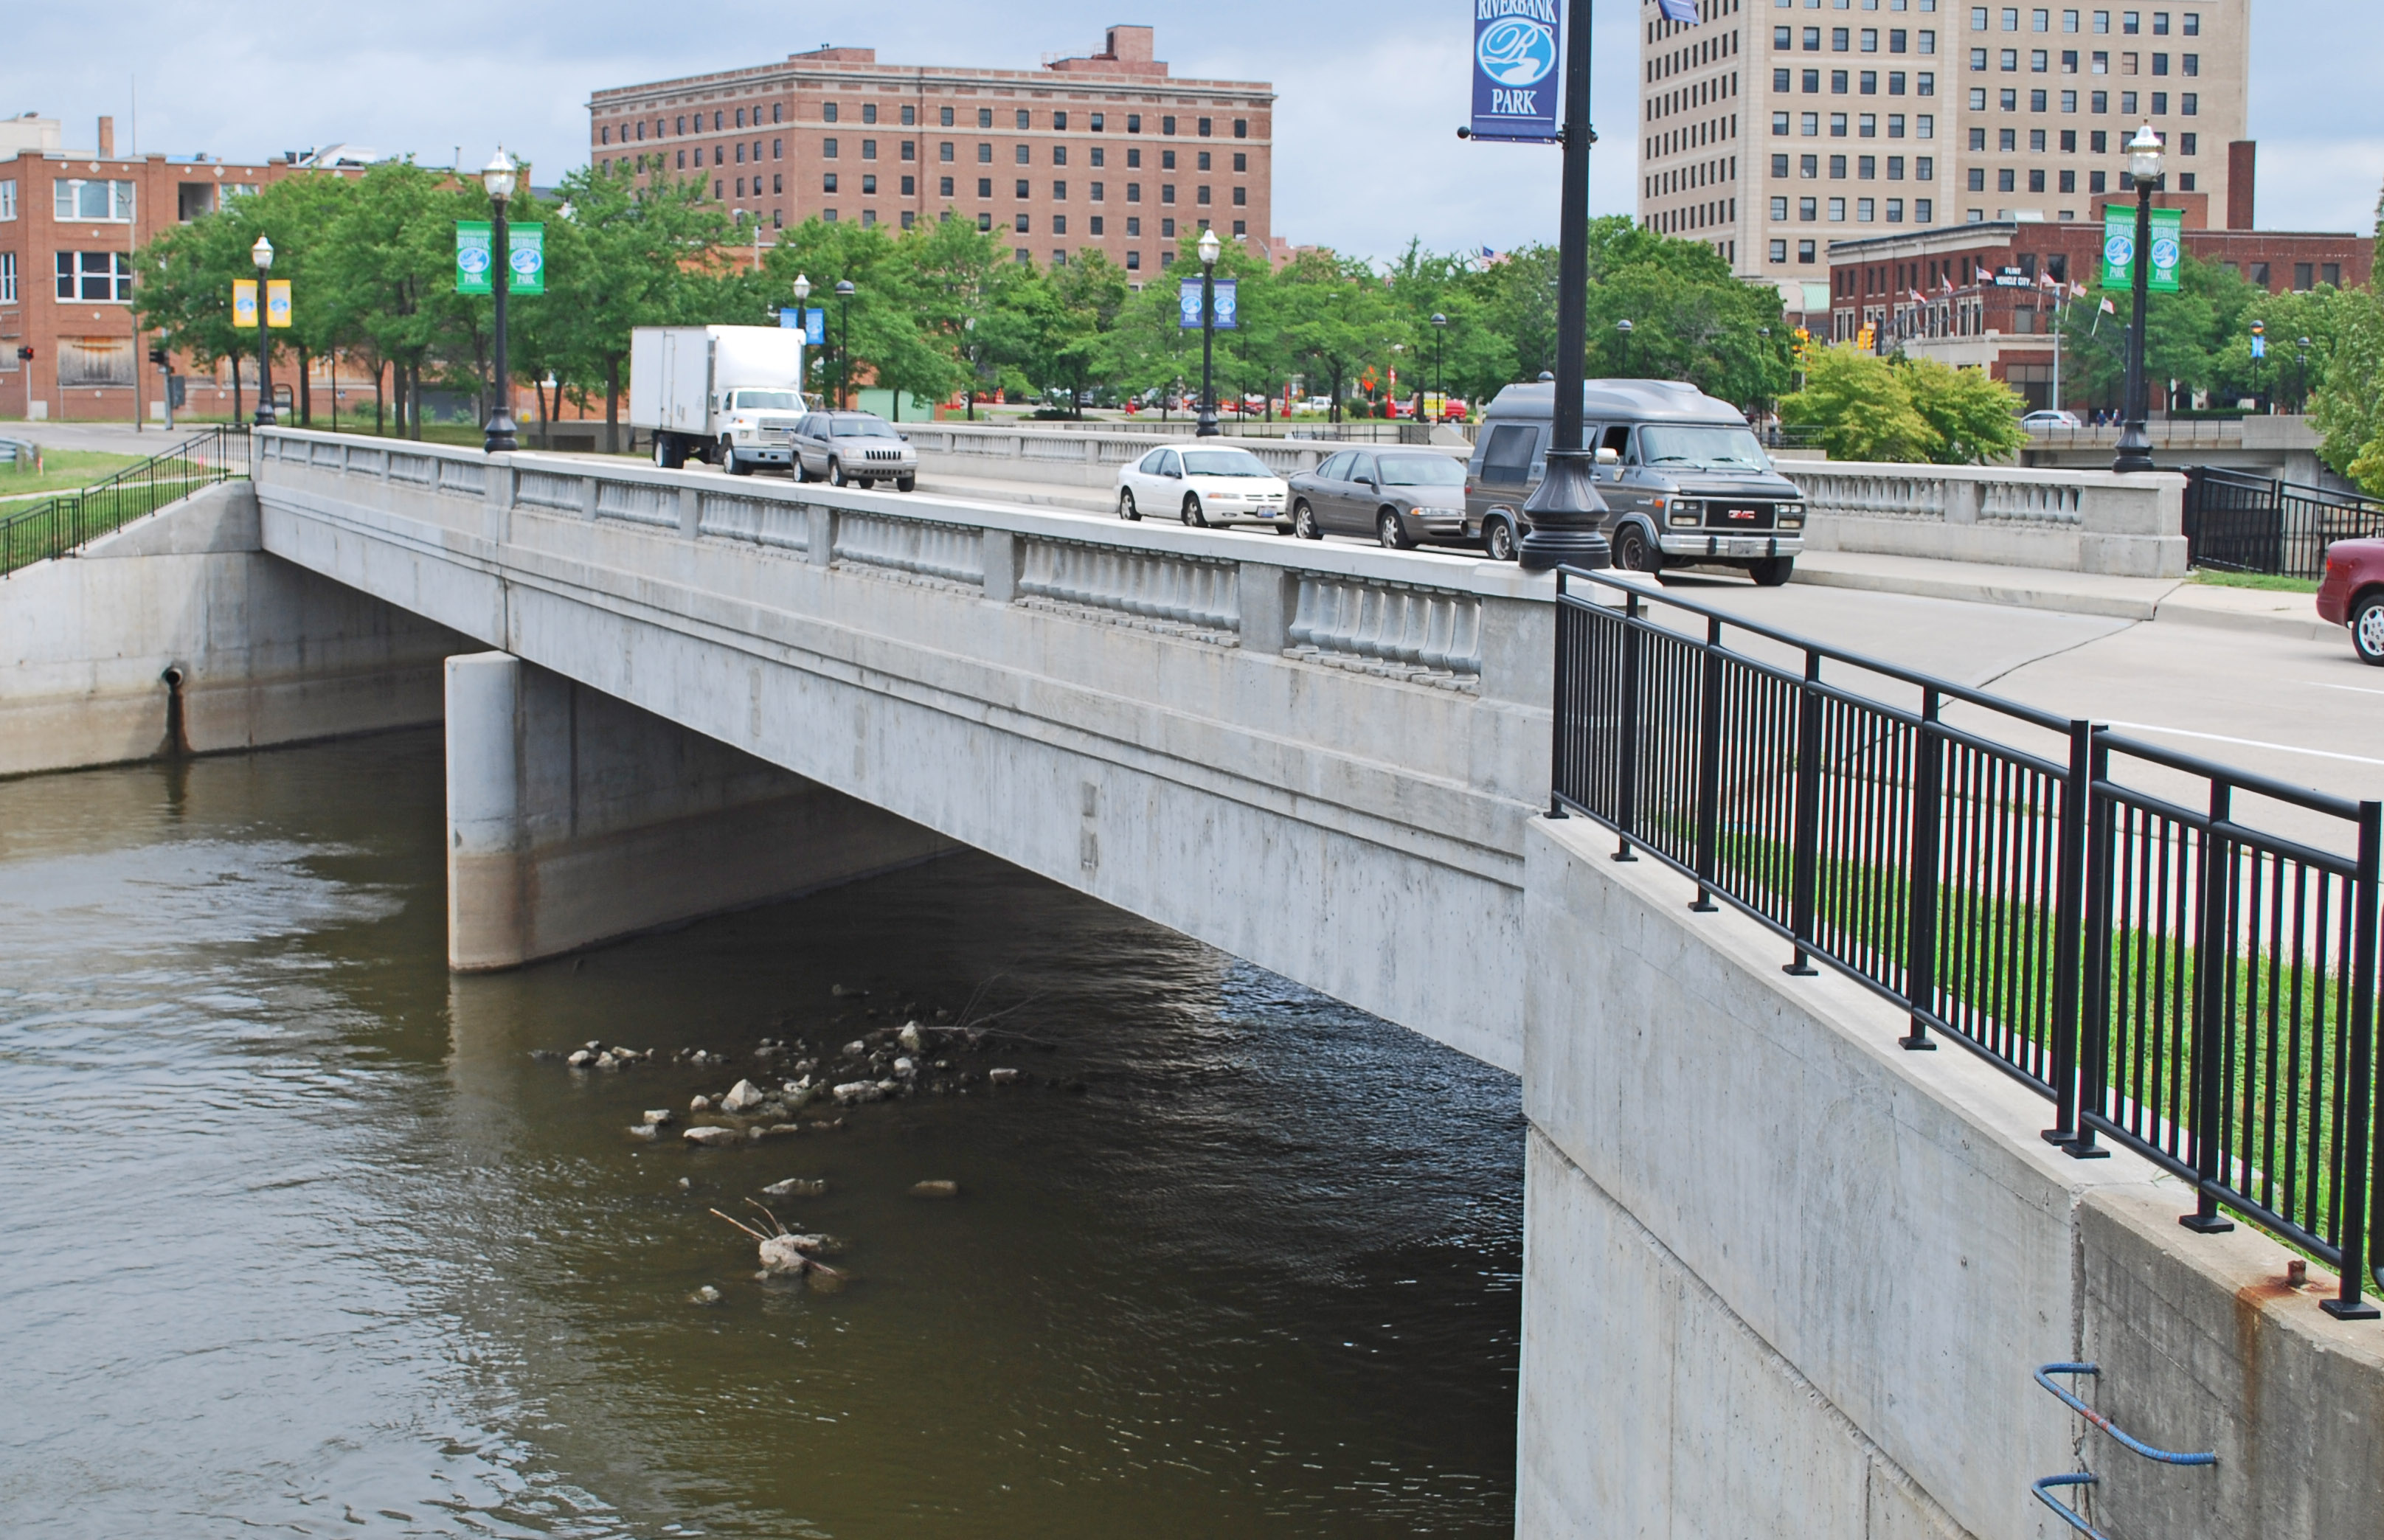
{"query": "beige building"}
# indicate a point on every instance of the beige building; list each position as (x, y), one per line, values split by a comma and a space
(1106, 151)
(1775, 127)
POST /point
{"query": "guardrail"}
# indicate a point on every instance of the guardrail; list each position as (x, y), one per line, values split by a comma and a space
(70, 520)
(2195, 988)
(1423, 620)
(1088, 456)
(2242, 523)
(2066, 520)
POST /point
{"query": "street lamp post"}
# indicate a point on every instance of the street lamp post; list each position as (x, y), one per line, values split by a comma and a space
(802, 290)
(262, 255)
(1623, 327)
(1209, 247)
(2135, 440)
(2300, 379)
(843, 341)
(499, 177)
(1439, 356)
(1566, 514)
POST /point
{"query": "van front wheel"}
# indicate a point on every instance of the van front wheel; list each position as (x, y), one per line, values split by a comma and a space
(1772, 572)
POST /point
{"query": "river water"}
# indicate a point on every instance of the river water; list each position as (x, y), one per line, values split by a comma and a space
(300, 1238)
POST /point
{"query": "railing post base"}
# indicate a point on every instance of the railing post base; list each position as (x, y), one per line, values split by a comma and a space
(1801, 968)
(2205, 1225)
(1622, 851)
(1705, 904)
(2349, 1309)
(1917, 1041)
(2084, 1147)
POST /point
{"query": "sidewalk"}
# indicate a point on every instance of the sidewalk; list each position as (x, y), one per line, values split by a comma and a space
(2169, 600)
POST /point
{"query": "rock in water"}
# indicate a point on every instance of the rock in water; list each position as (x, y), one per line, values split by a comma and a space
(713, 1137)
(909, 1036)
(858, 1090)
(906, 1065)
(658, 1116)
(743, 1096)
(642, 1130)
(935, 1189)
(1002, 1077)
(699, 1104)
(707, 1295)
(844, 991)
(782, 1256)
(580, 1059)
(857, 1049)
(796, 1186)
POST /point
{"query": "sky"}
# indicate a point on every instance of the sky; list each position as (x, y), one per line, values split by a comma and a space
(1370, 95)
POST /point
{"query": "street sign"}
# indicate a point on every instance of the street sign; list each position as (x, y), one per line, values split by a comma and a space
(2119, 248)
(1516, 46)
(526, 246)
(277, 302)
(244, 302)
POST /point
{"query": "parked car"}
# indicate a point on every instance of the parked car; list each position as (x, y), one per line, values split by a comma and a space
(1684, 481)
(2351, 593)
(2038, 422)
(844, 448)
(1205, 484)
(1402, 497)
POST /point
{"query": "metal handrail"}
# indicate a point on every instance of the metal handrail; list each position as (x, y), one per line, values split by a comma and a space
(2172, 977)
(59, 525)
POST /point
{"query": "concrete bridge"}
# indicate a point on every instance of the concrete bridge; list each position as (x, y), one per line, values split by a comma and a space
(1781, 1277)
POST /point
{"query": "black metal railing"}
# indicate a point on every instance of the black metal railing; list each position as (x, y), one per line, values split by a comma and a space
(56, 525)
(2197, 989)
(2243, 523)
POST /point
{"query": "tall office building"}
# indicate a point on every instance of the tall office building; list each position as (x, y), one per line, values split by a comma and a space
(1771, 128)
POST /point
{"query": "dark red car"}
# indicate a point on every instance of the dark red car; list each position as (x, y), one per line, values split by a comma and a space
(2352, 594)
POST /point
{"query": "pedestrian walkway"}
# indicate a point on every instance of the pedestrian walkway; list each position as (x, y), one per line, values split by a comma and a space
(2168, 599)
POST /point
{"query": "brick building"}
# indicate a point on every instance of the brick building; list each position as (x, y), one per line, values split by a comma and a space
(70, 222)
(1106, 152)
(1984, 289)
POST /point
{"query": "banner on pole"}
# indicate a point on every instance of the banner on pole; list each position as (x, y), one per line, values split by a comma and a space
(277, 302)
(2119, 248)
(474, 239)
(1188, 304)
(1228, 305)
(525, 249)
(1516, 45)
(244, 302)
(526, 252)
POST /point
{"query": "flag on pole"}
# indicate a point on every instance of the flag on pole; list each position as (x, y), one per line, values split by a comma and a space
(2107, 307)
(1984, 276)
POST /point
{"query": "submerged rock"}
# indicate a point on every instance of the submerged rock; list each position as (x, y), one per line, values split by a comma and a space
(713, 1137)
(935, 1189)
(1001, 1077)
(846, 991)
(658, 1116)
(796, 1186)
(853, 1091)
(699, 1104)
(857, 1047)
(707, 1295)
(642, 1130)
(580, 1059)
(909, 1036)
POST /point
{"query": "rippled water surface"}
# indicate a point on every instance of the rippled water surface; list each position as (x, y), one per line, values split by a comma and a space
(300, 1239)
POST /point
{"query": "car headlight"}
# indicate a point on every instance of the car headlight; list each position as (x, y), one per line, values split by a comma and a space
(1791, 516)
(1684, 512)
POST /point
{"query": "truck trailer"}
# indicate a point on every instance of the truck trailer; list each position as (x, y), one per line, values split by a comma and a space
(731, 395)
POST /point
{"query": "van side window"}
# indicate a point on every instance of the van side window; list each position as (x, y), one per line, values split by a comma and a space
(1509, 457)
(1617, 439)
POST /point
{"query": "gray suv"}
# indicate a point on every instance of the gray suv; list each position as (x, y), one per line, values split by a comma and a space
(1684, 481)
(845, 447)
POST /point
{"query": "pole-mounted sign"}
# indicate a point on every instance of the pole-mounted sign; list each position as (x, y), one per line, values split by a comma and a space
(1188, 304)
(524, 244)
(2119, 248)
(1516, 45)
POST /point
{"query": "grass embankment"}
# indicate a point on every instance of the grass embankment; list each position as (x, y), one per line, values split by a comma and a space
(63, 470)
(2265, 581)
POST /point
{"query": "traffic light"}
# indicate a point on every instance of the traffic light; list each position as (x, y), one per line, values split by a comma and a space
(25, 354)
(157, 356)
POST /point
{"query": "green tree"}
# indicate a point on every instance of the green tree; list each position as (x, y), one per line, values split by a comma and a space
(1973, 417)
(1860, 407)
(2348, 408)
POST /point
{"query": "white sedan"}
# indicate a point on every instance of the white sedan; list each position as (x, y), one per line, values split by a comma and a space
(1205, 484)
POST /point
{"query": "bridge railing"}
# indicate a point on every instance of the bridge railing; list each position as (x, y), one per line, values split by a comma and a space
(2182, 960)
(56, 526)
(1444, 621)
(2068, 520)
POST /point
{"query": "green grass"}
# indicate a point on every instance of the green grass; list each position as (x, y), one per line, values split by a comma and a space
(2267, 581)
(63, 470)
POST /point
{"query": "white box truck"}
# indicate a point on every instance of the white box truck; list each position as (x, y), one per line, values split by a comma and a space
(728, 394)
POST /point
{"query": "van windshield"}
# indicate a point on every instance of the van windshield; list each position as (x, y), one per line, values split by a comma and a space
(767, 401)
(1714, 447)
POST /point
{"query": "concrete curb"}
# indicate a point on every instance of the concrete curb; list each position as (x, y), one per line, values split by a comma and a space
(2184, 603)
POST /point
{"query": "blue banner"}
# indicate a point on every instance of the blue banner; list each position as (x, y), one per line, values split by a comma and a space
(1188, 304)
(1682, 11)
(1227, 306)
(1516, 46)
(812, 323)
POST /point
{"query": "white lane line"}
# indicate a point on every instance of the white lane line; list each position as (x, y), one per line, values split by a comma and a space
(2248, 742)
(2356, 690)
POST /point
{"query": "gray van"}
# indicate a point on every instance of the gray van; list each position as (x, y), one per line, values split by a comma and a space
(1684, 481)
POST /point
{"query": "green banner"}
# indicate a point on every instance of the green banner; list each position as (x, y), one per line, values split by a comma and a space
(2119, 248)
(524, 244)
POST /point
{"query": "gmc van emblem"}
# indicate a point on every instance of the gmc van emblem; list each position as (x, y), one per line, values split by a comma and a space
(1742, 513)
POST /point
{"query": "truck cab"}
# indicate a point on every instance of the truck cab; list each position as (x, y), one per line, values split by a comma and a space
(1685, 481)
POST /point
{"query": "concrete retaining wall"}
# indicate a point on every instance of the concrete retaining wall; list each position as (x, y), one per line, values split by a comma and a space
(268, 653)
(2066, 520)
(1781, 1277)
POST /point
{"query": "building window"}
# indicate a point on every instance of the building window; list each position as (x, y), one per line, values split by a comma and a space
(1096, 223)
(7, 199)
(1866, 167)
(869, 149)
(1167, 229)
(1060, 121)
(944, 117)
(1837, 125)
(1204, 128)
(1837, 167)
(1134, 123)
(985, 187)
(8, 290)
(1779, 250)
(868, 183)
(1200, 194)
(2036, 182)
(109, 201)
(1134, 192)
(984, 155)
(1241, 197)
(1167, 259)
(1023, 121)
(2185, 181)
(944, 188)
(1167, 192)
(827, 149)
(1021, 223)
(1811, 166)
(1923, 210)
(1864, 209)
(1022, 155)
(1805, 252)
(2068, 181)
(2190, 104)
(1059, 155)
(1895, 211)
(1021, 189)
(1094, 190)
(984, 117)
(910, 149)
(1780, 208)
(1167, 125)
(1059, 224)
(1133, 262)
(1133, 224)
(828, 181)
(2187, 143)
(827, 114)
(94, 276)
(2097, 181)
(984, 221)
(2007, 181)
(1978, 178)
(1809, 209)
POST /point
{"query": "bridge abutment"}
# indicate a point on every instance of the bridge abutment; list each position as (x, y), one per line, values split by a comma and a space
(575, 818)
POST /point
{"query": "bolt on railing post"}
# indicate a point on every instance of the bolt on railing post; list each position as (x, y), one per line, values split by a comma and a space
(1626, 743)
(2068, 923)
(1808, 813)
(2213, 960)
(1921, 904)
(2094, 990)
(2362, 1169)
(1559, 719)
(1710, 770)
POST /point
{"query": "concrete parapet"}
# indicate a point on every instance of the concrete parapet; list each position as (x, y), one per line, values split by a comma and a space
(2067, 520)
(574, 818)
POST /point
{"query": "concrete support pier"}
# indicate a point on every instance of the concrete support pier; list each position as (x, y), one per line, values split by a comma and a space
(575, 818)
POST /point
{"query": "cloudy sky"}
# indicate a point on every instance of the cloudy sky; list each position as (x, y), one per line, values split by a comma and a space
(1365, 148)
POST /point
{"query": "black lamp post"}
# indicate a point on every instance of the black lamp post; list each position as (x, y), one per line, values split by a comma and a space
(1565, 512)
(499, 177)
(1209, 247)
(1439, 352)
(2144, 165)
(843, 341)
(2300, 379)
(1623, 327)
(802, 292)
(262, 255)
